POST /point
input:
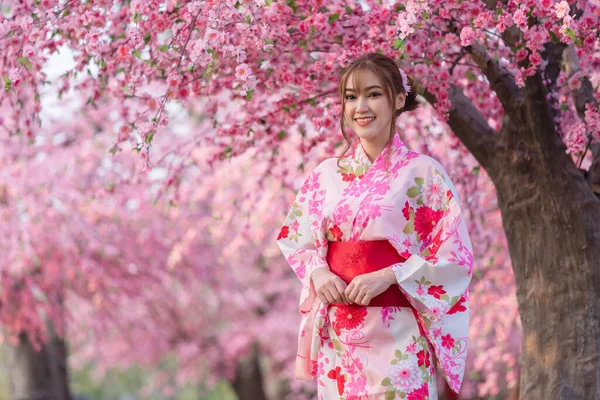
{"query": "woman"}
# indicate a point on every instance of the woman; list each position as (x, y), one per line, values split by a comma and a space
(378, 240)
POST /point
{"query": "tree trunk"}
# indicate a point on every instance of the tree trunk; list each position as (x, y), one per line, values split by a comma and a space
(39, 375)
(552, 222)
(248, 383)
(551, 219)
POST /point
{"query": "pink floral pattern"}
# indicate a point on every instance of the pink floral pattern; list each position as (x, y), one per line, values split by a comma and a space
(356, 352)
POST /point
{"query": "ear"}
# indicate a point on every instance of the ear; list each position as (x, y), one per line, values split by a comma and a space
(400, 99)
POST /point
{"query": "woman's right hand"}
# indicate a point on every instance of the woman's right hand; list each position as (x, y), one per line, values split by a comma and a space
(330, 288)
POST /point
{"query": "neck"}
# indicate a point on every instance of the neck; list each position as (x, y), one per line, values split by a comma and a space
(373, 147)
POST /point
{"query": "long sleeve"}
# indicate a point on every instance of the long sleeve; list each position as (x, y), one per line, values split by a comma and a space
(437, 272)
(301, 238)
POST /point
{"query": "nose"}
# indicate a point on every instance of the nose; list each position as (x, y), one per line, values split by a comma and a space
(361, 105)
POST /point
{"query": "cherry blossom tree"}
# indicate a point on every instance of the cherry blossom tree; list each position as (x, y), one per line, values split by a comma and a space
(513, 83)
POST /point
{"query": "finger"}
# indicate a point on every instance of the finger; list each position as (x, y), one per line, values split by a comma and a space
(341, 286)
(322, 298)
(339, 297)
(366, 300)
(360, 298)
(329, 296)
(353, 293)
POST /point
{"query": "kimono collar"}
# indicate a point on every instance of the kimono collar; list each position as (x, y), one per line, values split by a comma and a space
(361, 157)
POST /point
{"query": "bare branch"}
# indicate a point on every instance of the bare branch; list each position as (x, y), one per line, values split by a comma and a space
(470, 126)
(501, 80)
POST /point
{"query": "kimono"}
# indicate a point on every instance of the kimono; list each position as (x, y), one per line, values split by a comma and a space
(358, 352)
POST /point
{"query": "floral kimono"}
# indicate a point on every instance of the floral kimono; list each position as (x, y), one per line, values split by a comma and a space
(358, 352)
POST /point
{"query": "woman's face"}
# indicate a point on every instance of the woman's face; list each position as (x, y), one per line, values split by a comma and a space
(368, 111)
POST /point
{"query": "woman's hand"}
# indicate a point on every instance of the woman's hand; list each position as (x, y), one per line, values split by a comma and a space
(364, 288)
(329, 287)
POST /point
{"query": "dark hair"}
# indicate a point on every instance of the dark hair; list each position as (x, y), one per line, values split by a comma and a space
(387, 71)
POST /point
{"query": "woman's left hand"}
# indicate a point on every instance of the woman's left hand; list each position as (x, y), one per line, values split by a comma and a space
(364, 288)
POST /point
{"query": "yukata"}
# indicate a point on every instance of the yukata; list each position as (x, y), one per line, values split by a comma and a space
(357, 352)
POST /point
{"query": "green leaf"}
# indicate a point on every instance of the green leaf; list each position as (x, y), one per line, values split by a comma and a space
(337, 345)
(298, 213)
(419, 181)
(348, 10)
(281, 134)
(292, 4)
(398, 354)
(147, 38)
(386, 382)
(409, 228)
(399, 45)
(136, 17)
(571, 33)
(394, 361)
(25, 60)
(444, 297)
(113, 150)
(390, 394)
(413, 192)
(249, 95)
(137, 54)
(359, 170)
(333, 18)
(248, 20)
(149, 137)
(402, 395)
(268, 3)
(163, 48)
(311, 34)
(420, 201)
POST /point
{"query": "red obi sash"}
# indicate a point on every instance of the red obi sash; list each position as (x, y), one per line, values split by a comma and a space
(350, 259)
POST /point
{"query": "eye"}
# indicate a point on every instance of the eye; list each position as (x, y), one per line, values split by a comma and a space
(350, 97)
(374, 94)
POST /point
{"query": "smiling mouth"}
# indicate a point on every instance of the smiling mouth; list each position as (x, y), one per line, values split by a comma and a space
(364, 121)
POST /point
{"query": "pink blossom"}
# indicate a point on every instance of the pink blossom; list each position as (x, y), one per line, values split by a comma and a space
(574, 82)
(212, 36)
(135, 38)
(174, 79)
(15, 76)
(467, 36)
(242, 72)
(576, 138)
(561, 9)
(28, 51)
(520, 19)
(24, 22)
(535, 58)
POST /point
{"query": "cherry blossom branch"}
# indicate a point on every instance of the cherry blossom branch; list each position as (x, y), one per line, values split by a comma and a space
(470, 126)
(501, 80)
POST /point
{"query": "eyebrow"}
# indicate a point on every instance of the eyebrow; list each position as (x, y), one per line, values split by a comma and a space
(369, 88)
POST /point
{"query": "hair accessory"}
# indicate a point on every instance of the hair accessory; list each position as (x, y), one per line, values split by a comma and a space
(404, 81)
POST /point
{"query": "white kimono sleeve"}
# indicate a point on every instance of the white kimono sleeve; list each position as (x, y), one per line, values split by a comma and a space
(436, 275)
(301, 238)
